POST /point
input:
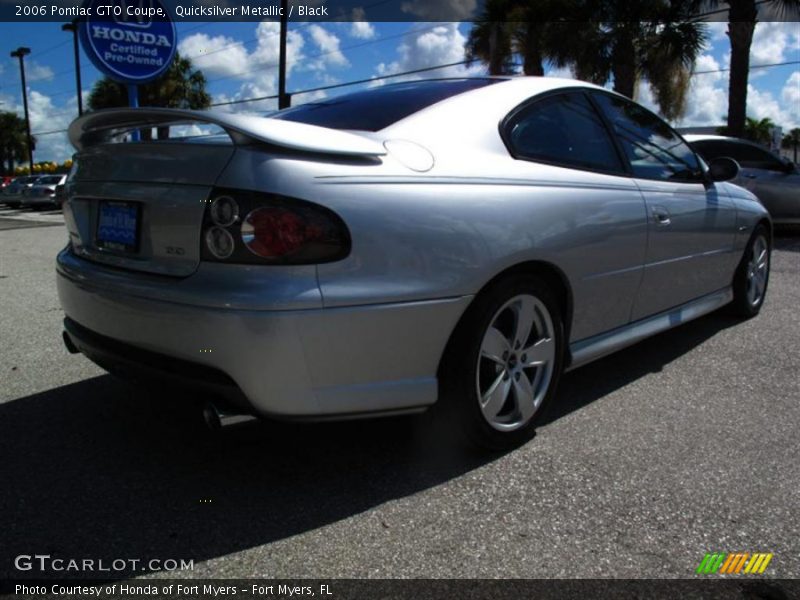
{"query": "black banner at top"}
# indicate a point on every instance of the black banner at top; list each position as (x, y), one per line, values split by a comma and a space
(358, 10)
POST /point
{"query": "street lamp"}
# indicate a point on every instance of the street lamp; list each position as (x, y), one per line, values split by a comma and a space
(21, 53)
(284, 100)
(73, 27)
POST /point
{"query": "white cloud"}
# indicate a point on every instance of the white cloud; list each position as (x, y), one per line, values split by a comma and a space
(430, 46)
(267, 54)
(774, 42)
(717, 30)
(762, 104)
(309, 97)
(360, 28)
(36, 72)
(217, 55)
(45, 117)
(227, 58)
(707, 102)
(791, 91)
(328, 44)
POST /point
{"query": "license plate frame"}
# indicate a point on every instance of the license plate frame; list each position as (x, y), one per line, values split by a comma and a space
(118, 226)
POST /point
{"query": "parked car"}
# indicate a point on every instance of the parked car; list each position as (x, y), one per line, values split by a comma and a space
(454, 241)
(43, 191)
(12, 194)
(775, 180)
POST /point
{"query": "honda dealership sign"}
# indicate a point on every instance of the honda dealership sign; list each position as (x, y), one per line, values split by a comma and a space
(131, 41)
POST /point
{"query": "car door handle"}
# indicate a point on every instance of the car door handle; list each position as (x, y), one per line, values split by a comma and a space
(749, 176)
(661, 216)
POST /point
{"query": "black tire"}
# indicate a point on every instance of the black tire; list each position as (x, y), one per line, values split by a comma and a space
(744, 304)
(459, 379)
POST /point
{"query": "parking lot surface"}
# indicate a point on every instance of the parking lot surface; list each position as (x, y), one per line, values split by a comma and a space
(681, 445)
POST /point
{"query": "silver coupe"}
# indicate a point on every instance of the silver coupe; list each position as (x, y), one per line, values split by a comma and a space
(453, 241)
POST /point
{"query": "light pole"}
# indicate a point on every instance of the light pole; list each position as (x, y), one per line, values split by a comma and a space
(283, 98)
(20, 53)
(73, 27)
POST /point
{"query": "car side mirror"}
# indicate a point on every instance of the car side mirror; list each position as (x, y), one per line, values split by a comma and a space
(723, 169)
(61, 191)
(789, 167)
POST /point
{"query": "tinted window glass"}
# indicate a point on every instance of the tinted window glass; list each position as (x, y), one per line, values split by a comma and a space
(375, 109)
(654, 150)
(563, 129)
(746, 155)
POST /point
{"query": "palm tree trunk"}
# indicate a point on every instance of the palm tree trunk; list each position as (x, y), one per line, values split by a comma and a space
(741, 36)
(624, 68)
(495, 56)
(532, 58)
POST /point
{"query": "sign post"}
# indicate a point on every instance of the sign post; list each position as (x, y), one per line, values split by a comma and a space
(126, 46)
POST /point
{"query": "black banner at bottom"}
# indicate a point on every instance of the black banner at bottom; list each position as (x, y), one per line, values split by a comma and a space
(407, 589)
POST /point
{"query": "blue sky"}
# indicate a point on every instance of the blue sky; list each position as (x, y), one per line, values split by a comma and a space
(238, 60)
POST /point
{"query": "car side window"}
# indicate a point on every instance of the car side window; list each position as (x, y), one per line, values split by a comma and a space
(746, 155)
(565, 130)
(651, 146)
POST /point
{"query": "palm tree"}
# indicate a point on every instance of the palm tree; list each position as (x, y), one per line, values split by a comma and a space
(599, 40)
(630, 41)
(490, 39)
(742, 19)
(759, 131)
(516, 27)
(792, 140)
(13, 141)
(181, 86)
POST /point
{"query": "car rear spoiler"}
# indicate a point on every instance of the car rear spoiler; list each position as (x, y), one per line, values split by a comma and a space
(100, 126)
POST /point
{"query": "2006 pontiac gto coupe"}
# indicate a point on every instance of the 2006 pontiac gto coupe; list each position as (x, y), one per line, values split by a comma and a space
(457, 240)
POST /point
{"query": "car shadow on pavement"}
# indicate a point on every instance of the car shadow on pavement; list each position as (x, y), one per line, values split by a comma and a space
(101, 469)
(597, 379)
(105, 470)
(788, 239)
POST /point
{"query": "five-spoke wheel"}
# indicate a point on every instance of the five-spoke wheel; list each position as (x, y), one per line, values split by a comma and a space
(503, 363)
(752, 275)
(757, 270)
(515, 364)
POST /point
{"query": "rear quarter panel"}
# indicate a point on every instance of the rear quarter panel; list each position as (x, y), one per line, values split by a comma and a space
(445, 234)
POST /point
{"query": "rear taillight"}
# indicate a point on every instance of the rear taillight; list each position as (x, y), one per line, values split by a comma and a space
(256, 228)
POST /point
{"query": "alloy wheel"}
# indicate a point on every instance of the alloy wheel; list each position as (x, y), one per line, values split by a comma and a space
(757, 271)
(516, 362)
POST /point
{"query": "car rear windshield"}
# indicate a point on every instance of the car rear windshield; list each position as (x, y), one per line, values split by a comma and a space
(377, 108)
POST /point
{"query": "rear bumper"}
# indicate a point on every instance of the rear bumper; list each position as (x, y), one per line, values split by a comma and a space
(312, 363)
(38, 201)
(137, 365)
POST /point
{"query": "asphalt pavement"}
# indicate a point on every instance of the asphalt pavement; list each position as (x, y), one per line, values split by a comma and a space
(684, 444)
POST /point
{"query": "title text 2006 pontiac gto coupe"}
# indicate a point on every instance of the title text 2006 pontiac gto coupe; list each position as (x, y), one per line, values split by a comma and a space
(461, 240)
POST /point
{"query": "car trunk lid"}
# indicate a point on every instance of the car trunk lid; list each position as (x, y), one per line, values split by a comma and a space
(139, 205)
(155, 191)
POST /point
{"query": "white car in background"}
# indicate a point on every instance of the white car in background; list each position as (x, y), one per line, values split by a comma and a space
(43, 191)
(775, 180)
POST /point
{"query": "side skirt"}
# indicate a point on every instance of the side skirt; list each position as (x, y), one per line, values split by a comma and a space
(590, 349)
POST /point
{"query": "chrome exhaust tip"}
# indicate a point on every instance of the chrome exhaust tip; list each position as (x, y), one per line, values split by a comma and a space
(71, 347)
(217, 419)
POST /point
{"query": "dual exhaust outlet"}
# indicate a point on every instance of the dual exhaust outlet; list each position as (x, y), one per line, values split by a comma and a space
(215, 418)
